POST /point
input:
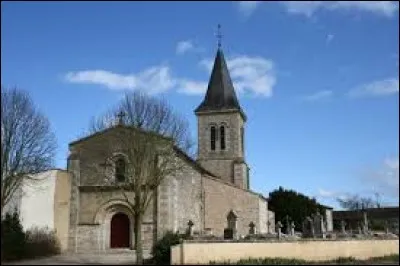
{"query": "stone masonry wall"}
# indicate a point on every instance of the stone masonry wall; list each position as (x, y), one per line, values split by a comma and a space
(219, 162)
(180, 200)
(220, 198)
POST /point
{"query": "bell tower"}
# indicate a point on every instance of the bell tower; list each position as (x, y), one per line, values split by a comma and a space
(221, 127)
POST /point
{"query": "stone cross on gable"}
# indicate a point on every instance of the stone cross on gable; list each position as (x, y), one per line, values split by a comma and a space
(121, 116)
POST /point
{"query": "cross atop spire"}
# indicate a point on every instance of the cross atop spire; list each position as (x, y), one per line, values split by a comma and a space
(219, 35)
(121, 116)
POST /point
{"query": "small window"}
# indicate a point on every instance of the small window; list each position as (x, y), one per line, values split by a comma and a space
(120, 170)
(213, 135)
(222, 132)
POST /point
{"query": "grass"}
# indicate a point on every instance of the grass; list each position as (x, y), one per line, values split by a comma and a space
(390, 259)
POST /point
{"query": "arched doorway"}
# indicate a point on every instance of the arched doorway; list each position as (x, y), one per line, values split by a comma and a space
(120, 231)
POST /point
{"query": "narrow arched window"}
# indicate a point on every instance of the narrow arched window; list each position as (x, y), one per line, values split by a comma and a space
(242, 138)
(222, 133)
(213, 135)
(120, 170)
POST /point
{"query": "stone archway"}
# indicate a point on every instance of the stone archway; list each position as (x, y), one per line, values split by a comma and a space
(104, 217)
(120, 231)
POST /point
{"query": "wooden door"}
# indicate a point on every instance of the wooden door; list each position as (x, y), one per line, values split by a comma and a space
(120, 231)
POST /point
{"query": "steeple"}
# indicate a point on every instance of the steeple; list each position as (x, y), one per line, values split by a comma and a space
(221, 127)
(220, 92)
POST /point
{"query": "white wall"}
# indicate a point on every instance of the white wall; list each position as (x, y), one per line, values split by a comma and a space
(37, 203)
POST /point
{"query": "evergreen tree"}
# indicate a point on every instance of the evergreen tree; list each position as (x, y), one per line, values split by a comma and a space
(12, 237)
(292, 206)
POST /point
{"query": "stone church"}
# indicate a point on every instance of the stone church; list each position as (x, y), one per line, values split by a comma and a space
(211, 193)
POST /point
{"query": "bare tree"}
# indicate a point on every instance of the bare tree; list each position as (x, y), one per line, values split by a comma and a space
(27, 143)
(140, 153)
(150, 114)
(355, 202)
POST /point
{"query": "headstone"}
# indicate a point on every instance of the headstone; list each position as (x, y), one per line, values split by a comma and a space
(387, 227)
(308, 230)
(190, 228)
(292, 226)
(343, 226)
(365, 223)
(279, 229)
(228, 233)
(287, 225)
(360, 231)
(252, 228)
(320, 225)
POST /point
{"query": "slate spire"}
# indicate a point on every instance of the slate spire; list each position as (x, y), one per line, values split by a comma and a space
(220, 92)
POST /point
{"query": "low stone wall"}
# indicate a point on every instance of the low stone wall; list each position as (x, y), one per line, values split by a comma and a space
(313, 250)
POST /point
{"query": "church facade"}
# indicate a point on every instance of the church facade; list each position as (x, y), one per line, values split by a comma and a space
(205, 193)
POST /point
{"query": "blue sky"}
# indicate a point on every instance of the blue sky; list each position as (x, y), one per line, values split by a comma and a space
(318, 81)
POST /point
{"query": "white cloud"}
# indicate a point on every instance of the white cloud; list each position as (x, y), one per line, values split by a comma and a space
(192, 87)
(328, 194)
(308, 8)
(320, 95)
(386, 8)
(392, 163)
(254, 75)
(246, 8)
(184, 46)
(152, 80)
(329, 38)
(384, 87)
(385, 179)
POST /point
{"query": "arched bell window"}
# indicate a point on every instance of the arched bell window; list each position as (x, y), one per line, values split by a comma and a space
(120, 170)
(213, 133)
(222, 139)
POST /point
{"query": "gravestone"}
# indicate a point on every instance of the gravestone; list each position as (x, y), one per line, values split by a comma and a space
(365, 223)
(230, 232)
(292, 226)
(343, 226)
(319, 225)
(279, 229)
(308, 227)
(287, 225)
(252, 228)
(387, 227)
(189, 230)
(360, 231)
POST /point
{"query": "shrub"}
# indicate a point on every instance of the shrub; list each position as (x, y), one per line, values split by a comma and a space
(161, 250)
(12, 238)
(41, 242)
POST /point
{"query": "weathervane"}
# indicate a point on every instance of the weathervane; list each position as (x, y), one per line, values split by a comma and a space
(219, 35)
